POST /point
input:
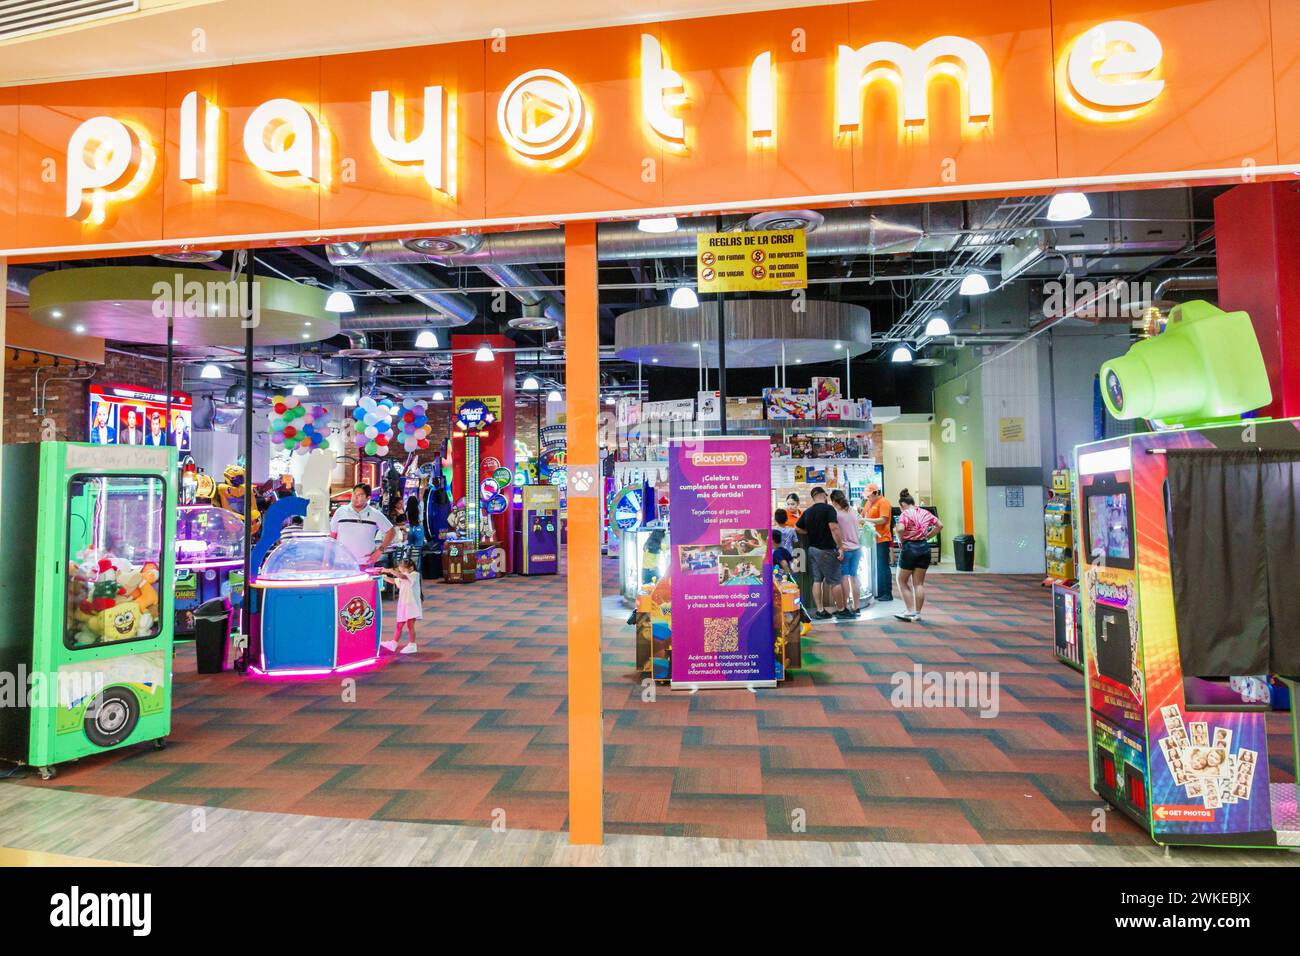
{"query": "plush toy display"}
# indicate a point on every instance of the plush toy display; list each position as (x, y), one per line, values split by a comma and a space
(115, 600)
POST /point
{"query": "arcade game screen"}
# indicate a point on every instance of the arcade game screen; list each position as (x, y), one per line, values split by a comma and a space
(1108, 527)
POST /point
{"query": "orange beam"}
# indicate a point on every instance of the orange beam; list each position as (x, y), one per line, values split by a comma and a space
(968, 497)
(582, 371)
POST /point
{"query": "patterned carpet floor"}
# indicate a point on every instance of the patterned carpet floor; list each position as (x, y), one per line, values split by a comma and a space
(471, 730)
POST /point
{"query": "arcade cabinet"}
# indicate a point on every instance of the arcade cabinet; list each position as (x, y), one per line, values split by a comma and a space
(209, 560)
(86, 629)
(1191, 618)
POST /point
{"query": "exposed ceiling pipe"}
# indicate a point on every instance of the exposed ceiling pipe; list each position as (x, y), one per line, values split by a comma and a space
(1187, 282)
(455, 308)
(887, 229)
(517, 279)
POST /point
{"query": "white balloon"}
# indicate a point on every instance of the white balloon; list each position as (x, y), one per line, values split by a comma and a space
(372, 432)
(381, 451)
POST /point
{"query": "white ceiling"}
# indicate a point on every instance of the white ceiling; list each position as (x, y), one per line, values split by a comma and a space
(164, 34)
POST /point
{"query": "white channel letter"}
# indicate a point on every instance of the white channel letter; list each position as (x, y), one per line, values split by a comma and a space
(103, 153)
(762, 97)
(912, 67)
(1090, 62)
(281, 137)
(388, 133)
(198, 127)
(662, 90)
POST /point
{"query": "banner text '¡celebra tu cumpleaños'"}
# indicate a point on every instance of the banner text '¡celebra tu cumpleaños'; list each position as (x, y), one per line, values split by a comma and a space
(544, 119)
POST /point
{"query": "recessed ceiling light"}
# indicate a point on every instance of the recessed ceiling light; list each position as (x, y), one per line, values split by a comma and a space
(79, 328)
(56, 314)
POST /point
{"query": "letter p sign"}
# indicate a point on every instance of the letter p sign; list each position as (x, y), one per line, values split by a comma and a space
(105, 156)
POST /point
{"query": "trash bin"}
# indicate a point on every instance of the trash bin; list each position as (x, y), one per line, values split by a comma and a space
(211, 635)
(963, 547)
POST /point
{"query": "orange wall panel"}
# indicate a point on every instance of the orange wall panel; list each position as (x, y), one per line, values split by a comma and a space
(722, 162)
(377, 191)
(8, 167)
(245, 199)
(1286, 71)
(48, 116)
(611, 172)
(1217, 107)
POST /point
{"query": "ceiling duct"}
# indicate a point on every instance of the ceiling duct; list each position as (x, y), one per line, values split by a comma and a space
(884, 230)
(454, 308)
(517, 280)
(533, 320)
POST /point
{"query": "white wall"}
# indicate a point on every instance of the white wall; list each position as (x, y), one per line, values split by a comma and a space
(1015, 544)
(1070, 359)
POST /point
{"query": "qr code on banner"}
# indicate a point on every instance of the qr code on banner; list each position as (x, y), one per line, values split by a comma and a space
(721, 635)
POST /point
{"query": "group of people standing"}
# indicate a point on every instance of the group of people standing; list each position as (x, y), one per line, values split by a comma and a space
(835, 530)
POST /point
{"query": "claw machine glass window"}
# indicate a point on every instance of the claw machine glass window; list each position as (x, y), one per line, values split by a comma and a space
(115, 542)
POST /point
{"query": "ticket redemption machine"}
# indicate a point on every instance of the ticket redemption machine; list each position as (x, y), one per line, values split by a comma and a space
(1181, 533)
(537, 539)
(471, 555)
(87, 628)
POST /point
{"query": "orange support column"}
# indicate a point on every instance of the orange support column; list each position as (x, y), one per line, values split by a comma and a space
(968, 497)
(582, 370)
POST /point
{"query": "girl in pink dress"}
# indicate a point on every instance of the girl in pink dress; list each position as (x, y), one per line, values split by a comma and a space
(407, 579)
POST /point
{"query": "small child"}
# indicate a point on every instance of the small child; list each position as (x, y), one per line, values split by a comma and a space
(782, 542)
(407, 579)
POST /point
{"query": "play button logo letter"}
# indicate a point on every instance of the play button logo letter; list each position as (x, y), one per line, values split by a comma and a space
(542, 115)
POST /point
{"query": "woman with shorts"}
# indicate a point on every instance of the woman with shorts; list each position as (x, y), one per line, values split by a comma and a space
(848, 522)
(915, 527)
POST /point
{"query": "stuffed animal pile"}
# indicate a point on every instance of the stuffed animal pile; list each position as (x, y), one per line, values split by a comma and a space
(119, 600)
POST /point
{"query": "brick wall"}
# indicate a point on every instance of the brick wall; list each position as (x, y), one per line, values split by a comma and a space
(65, 398)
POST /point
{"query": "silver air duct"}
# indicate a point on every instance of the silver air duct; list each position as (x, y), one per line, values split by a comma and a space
(884, 230)
(455, 309)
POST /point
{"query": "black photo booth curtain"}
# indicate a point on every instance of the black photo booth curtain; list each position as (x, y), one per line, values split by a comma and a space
(1234, 538)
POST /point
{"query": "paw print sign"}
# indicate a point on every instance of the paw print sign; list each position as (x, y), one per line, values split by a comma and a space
(582, 482)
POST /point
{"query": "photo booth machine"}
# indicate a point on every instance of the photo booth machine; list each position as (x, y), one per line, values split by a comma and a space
(1191, 617)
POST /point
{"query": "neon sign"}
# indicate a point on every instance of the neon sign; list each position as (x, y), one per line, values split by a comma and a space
(1109, 73)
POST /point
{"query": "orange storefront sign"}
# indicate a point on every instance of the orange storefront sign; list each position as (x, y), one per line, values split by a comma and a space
(829, 104)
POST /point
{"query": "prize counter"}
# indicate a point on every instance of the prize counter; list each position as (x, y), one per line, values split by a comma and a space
(315, 611)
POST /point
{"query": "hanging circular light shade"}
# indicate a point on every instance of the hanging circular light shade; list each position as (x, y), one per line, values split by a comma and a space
(133, 303)
(757, 330)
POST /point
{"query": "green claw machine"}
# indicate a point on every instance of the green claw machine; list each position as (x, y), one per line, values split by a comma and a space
(86, 555)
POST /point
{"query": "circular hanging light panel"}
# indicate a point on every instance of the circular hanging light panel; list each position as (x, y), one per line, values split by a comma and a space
(133, 304)
(189, 255)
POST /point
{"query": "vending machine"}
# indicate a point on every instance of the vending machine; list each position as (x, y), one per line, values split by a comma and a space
(87, 571)
(537, 539)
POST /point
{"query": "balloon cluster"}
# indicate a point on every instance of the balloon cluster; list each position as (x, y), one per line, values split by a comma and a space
(381, 424)
(297, 427)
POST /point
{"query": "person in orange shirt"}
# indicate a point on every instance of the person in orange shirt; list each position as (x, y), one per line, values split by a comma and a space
(877, 511)
(792, 509)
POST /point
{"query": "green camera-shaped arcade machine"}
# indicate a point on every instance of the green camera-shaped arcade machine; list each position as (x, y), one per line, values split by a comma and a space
(86, 634)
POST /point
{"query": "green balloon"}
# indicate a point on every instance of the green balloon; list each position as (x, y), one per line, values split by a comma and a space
(372, 447)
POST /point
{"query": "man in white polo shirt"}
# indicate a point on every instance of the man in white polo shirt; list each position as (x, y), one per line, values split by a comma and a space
(356, 524)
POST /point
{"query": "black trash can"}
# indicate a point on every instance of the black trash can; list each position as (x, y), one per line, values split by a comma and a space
(963, 548)
(211, 635)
